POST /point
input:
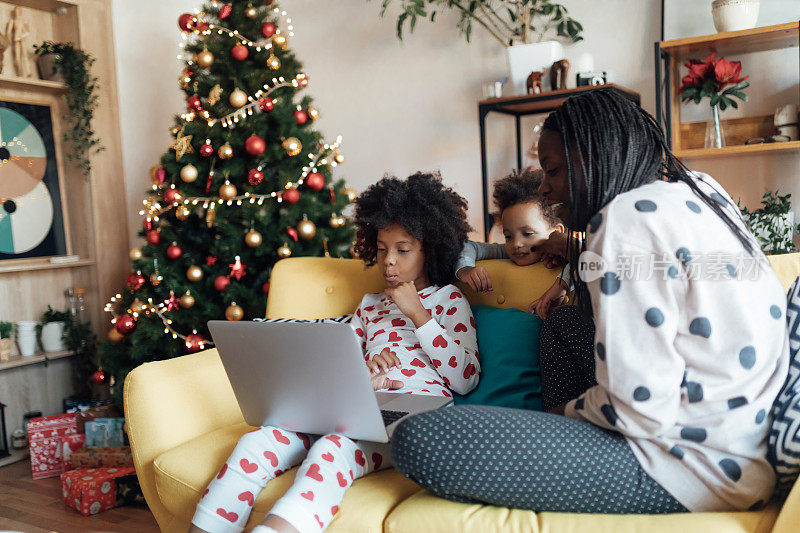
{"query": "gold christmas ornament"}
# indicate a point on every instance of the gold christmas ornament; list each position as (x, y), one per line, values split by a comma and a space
(184, 80)
(187, 300)
(194, 273)
(234, 312)
(153, 174)
(238, 98)
(182, 145)
(182, 212)
(250, 12)
(189, 173)
(292, 146)
(225, 151)
(313, 112)
(306, 229)
(156, 279)
(227, 191)
(284, 251)
(338, 157)
(205, 58)
(214, 94)
(115, 336)
(280, 41)
(336, 221)
(273, 62)
(135, 254)
(137, 306)
(350, 193)
(211, 214)
(174, 130)
(253, 239)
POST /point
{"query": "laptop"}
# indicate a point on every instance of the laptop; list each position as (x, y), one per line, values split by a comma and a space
(311, 378)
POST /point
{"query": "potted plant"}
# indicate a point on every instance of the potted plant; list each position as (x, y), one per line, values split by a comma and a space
(73, 66)
(519, 25)
(773, 223)
(719, 80)
(51, 330)
(6, 330)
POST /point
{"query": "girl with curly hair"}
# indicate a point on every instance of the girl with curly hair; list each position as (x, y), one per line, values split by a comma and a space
(417, 336)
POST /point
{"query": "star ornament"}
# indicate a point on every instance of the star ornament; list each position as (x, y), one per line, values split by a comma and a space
(237, 269)
(172, 303)
(182, 145)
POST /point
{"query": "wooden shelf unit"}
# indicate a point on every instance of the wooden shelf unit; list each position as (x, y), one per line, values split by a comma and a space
(687, 139)
(32, 84)
(25, 360)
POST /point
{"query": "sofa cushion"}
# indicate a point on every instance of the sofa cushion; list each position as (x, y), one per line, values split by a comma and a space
(184, 472)
(508, 341)
(425, 512)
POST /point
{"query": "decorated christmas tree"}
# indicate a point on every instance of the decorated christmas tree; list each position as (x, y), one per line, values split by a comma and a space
(246, 182)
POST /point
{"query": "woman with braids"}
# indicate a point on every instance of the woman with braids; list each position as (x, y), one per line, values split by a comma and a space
(418, 337)
(658, 383)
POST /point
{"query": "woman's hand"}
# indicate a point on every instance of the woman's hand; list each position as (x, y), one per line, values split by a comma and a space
(554, 249)
(405, 296)
(552, 298)
(476, 277)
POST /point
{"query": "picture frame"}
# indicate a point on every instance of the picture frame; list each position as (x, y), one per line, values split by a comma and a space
(33, 216)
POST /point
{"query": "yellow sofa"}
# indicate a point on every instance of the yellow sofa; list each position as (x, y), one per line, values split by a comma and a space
(183, 422)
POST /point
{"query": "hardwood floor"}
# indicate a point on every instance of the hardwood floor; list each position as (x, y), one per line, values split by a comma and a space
(36, 507)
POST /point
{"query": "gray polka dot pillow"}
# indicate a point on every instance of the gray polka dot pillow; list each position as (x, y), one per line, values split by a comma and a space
(784, 438)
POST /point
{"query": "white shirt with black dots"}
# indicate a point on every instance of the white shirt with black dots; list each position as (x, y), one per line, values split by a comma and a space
(691, 346)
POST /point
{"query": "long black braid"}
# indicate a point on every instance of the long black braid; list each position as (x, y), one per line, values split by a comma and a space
(619, 147)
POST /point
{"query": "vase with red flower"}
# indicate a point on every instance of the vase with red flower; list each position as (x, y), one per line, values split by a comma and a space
(720, 81)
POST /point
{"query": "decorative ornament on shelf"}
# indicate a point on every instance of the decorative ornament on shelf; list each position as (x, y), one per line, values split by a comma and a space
(273, 63)
(182, 145)
(174, 251)
(315, 181)
(189, 173)
(227, 191)
(207, 149)
(205, 58)
(182, 212)
(135, 254)
(291, 196)
(306, 229)
(284, 251)
(214, 95)
(194, 273)
(255, 176)
(292, 146)
(234, 312)
(153, 237)
(187, 300)
(221, 283)
(238, 98)
(225, 151)
(253, 239)
(124, 324)
(239, 52)
(292, 233)
(255, 145)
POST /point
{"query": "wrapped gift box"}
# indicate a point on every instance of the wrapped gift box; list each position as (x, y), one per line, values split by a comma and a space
(110, 456)
(92, 490)
(46, 434)
(93, 413)
(105, 432)
(71, 444)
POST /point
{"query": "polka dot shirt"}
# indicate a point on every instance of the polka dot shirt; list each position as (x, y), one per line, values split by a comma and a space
(690, 344)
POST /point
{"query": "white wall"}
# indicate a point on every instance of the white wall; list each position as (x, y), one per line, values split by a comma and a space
(400, 107)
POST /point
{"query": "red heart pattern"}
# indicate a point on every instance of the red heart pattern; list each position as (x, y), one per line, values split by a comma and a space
(398, 322)
(341, 479)
(469, 371)
(313, 472)
(328, 457)
(370, 308)
(335, 439)
(247, 497)
(455, 295)
(460, 327)
(377, 333)
(360, 458)
(222, 471)
(204, 494)
(306, 440)
(439, 342)
(359, 332)
(439, 309)
(451, 311)
(472, 322)
(408, 372)
(453, 362)
(445, 393)
(280, 437)
(384, 312)
(320, 522)
(308, 495)
(416, 362)
(434, 382)
(394, 337)
(247, 466)
(272, 458)
(334, 510)
(436, 363)
(230, 517)
(377, 459)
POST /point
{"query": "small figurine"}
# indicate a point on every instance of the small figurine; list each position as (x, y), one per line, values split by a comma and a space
(16, 31)
(4, 43)
(534, 83)
(558, 75)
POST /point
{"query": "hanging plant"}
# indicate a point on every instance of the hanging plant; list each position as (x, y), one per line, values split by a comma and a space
(74, 65)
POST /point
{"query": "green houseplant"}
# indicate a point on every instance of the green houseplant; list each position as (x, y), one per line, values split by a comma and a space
(51, 328)
(773, 223)
(75, 66)
(6, 330)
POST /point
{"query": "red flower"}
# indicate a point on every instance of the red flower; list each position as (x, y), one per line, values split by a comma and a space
(698, 71)
(728, 72)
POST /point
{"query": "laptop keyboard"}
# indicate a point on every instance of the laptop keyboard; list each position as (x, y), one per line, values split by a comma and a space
(389, 417)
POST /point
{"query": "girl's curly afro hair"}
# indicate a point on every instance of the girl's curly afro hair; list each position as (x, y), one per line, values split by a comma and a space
(522, 187)
(430, 212)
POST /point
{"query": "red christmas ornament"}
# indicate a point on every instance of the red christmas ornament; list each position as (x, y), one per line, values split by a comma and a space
(268, 29)
(266, 104)
(99, 376)
(135, 281)
(193, 103)
(265, 288)
(237, 269)
(171, 195)
(239, 52)
(153, 237)
(201, 26)
(303, 81)
(174, 251)
(211, 260)
(221, 283)
(161, 175)
(208, 182)
(315, 181)
(186, 22)
(255, 145)
(125, 324)
(172, 303)
(292, 233)
(188, 71)
(194, 343)
(333, 195)
(225, 11)
(301, 117)
(206, 150)
(255, 176)
(147, 224)
(291, 196)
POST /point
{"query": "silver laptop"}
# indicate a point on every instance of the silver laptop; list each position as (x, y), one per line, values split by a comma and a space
(309, 377)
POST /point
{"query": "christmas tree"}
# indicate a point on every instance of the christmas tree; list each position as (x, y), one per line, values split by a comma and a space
(246, 182)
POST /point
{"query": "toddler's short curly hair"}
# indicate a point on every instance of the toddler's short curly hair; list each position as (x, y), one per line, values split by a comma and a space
(521, 187)
(427, 209)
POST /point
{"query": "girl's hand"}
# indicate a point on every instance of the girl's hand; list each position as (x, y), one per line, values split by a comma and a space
(552, 298)
(383, 362)
(382, 381)
(476, 277)
(405, 296)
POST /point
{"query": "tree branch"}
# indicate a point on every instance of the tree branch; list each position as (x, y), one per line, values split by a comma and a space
(496, 32)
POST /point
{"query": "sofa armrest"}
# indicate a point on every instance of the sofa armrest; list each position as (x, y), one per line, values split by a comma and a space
(789, 517)
(170, 402)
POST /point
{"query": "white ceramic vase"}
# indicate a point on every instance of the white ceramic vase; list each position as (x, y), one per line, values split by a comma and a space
(525, 58)
(26, 337)
(52, 334)
(734, 15)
